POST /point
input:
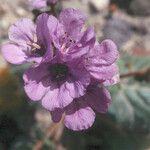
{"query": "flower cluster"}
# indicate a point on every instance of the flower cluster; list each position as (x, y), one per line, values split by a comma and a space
(69, 68)
(39, 4)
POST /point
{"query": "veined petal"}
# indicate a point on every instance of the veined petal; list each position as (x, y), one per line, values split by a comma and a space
(44, 37)
(105, 53)
(103, 72)
(52, 24)
(42, 29)
(79, 116)
(36, 73)
(83, 46)
(73, 20)
(78, 82)
(101, 61)
(50, 100)
(98, 98)
(13, 54)
(35, 91)
(88, 37)
(75, 89)
(22, 32)
(56, 30)
(36, 82)
(56, 97)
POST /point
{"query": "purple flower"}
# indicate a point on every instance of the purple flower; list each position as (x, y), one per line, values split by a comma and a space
(28, 42)
(68, 83)
(70, 43)
(39, 4)
(57, 83)
(99, 61)
(71, 67)
(80, 115)
(63, 78)
(68, 40)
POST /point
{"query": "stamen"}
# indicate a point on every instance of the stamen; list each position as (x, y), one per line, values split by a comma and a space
(36, 46)
(63, 47)
(34, 38)
(29, 43)
(33, 50)
(33, 45)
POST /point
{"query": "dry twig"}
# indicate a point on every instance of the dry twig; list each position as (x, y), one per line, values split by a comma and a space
(138, 73)
(51, 133)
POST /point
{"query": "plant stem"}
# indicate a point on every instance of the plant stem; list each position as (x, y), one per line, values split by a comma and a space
(138, 73)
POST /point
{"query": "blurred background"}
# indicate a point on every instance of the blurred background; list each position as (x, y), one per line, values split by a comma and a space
(24, 125)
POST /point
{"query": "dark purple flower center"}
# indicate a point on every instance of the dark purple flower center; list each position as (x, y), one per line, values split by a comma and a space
(38, 52)
(58, 72)
(36, 49)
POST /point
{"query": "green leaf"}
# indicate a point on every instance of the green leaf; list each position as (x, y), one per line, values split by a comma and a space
(122, 109)
(130, 104)
(22, 144)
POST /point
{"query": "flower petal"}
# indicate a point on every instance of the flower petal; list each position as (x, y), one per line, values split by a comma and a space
(105, 53)
(79, 117)
(103, 72)
(50, 100)
(36, 82)
(43, 35)
(77, 84)
(114, 80)
(56, 97)
(56, 30)
(98, 98)
(22, 31)
(85, 43)
(52, 24)
(13, 54)
(42, 29)
(73, 20)
(88, 37)
(75, 89)
(35, 91)
(59, 96)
